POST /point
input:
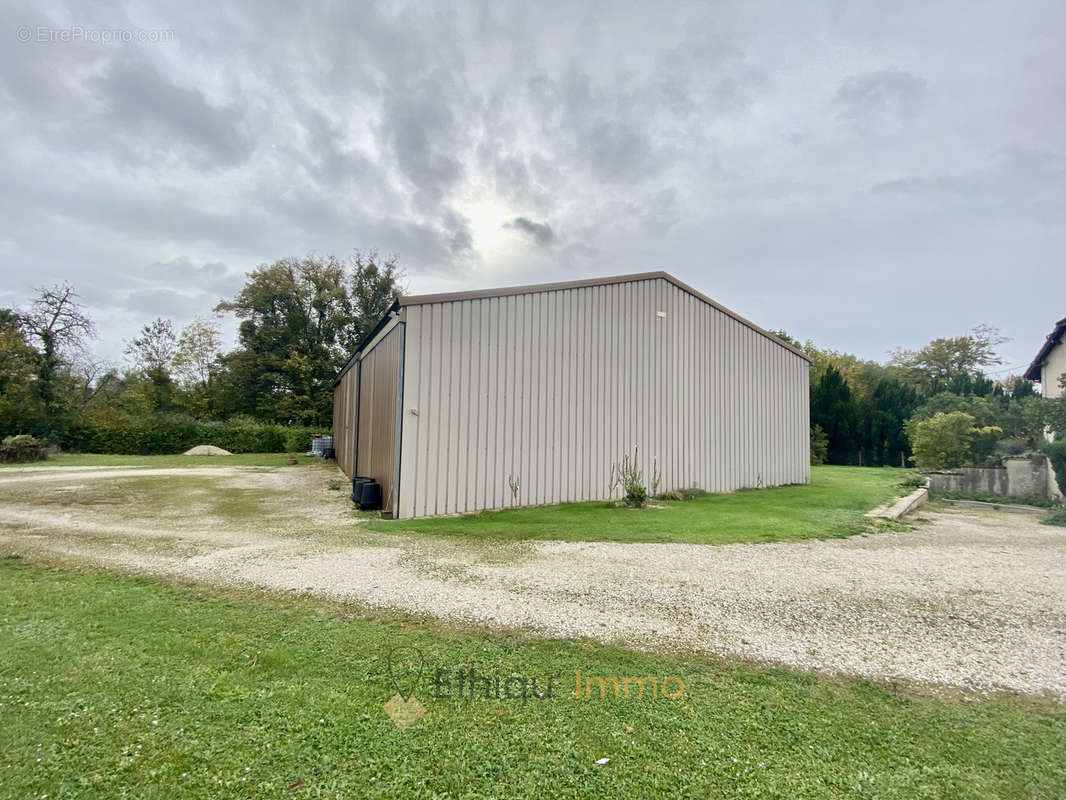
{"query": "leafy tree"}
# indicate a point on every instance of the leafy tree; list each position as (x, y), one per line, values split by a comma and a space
(1026, 419)
(941, 442)
(1023, 420)
(197, 364)
(301, 319)
(19, 405)
(373, 286)
(982, 409)
(152, 351)
(952, 363)
(197, 352)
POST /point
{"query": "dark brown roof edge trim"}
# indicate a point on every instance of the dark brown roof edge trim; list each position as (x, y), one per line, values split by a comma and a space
(1053, 338)
(506, 291)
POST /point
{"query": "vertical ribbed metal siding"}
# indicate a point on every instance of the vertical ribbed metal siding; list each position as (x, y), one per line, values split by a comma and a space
(344, 400)
(556, 386)
(379, 376)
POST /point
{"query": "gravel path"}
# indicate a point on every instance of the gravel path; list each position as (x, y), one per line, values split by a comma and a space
(970, 599)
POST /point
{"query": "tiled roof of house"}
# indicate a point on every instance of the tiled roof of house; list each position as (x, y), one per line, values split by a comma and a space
(1053, 339)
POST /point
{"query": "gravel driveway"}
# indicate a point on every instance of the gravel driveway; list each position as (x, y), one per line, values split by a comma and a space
(970, 599)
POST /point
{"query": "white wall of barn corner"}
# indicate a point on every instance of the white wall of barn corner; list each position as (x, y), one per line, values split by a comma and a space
(557, 386)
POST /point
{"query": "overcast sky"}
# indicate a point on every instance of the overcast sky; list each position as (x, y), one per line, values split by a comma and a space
(864, 175)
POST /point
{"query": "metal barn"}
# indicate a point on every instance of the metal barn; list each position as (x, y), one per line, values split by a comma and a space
(454, 400)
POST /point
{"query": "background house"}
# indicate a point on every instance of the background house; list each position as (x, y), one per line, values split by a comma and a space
(454, 400)
(1050, 363)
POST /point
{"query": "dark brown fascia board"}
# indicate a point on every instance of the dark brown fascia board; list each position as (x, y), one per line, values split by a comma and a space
(1053, 339)
(452, 297)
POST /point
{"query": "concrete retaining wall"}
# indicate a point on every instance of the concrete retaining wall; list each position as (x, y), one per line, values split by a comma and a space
(1020, 476)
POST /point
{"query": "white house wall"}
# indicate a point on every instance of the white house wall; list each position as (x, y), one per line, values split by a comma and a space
(1053, 369)
(554, 387)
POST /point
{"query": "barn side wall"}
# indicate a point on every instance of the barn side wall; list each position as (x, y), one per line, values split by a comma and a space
(379, 376)
(344, 399)
(547, 390)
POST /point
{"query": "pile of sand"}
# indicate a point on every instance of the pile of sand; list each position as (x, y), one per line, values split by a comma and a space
(206, 450)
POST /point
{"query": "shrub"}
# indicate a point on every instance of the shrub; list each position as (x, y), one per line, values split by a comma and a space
(22, 448)
(1056, 453)
(631, 478)
(913, 480)
(636, 496)
(941, 442)
(298, 440)
(257, 439)
(672, 494)
(984, 442)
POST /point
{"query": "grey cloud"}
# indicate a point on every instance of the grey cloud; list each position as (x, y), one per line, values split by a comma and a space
(180, 288)
(916, 187)
(142, 101)
(540, 232)
(457, 228)
(424, 136)
(167, 303)
(609, 129)
(1015, 181)
(884, 95)
(660, 211)
(212, 277)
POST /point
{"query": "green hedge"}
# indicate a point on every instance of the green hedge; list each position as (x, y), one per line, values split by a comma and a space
(170, 434)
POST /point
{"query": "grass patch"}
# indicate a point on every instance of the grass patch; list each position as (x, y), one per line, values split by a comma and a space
(114, 686)
(1056, 516)
(166, 462)
(998, 499)
(833, 504)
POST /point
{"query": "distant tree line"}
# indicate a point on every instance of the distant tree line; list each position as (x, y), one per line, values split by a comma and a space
(300, 320)
(860, 409)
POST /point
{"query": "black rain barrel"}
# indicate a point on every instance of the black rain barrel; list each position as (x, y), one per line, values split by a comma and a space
(357, 485)
(370, 496)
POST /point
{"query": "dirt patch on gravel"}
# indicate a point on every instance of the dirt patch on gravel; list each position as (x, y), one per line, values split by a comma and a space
(970, 599)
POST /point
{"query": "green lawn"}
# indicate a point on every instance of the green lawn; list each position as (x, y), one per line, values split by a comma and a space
(108, 460)
(114, 686)
(833, 504)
